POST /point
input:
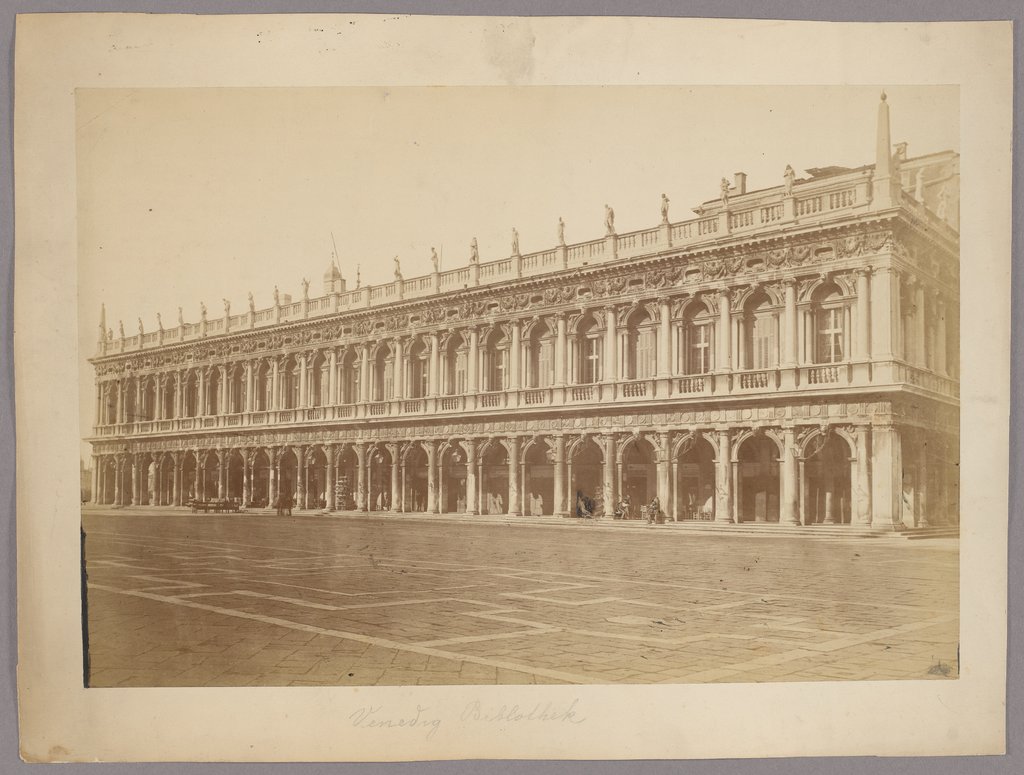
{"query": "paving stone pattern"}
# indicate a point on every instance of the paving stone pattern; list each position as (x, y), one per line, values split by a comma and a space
(176, 599)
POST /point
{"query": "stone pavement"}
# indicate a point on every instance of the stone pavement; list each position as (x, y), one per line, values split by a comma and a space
(176, 599)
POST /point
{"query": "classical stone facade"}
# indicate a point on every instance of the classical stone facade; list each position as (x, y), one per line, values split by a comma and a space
(789, 355)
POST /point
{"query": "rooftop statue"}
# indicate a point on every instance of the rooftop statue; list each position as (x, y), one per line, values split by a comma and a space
(609, 220)
(277, 297)
(474, 252)
(227, 308)
(561, 231)
(664, 209)
(724, 188)
(252, 303)
(515, 241)
(305, 289)
(790, 177)
(398, 268)
(433, 259)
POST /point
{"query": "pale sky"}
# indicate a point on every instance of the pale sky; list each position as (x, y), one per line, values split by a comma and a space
(190, 195)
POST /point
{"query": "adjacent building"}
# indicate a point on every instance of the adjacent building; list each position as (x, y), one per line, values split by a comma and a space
(789, 354)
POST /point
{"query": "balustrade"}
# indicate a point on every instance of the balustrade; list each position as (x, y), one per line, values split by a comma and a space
(491, 399)
(636, 389)
(535, 397)
(690, 385)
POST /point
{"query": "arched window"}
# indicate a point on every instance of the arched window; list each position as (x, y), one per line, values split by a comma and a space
(540, 361)
(350, 377)
(419, 369)
(696, 340)
(496, 361)
(831, 325)
(640, 350)
(589, 343)
(759, 347)
(383, 388)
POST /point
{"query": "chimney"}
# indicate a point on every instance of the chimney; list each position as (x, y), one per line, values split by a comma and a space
(740, 183)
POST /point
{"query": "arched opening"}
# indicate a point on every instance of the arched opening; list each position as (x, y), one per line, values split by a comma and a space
(827, 468)
(585, 477)
(695, 485)
(495, 364)
(209, 479)
(347, 480)
(639, 473)
(540, 356)
(235, 476)
(383, 375)
(831, 315)
(147, 479)
(167, 398)
(539, 483)
(288, 379)
(587, 345)
(189, 478)
(109, 475)
(379, 485)
(759, 345)
(125, 488)
(419, 369)
(315, 489)
(214, 388)
(128, 402)
(165, 479)
(191, 395)
(263, 387)
(696, 340)
(236, 389)
(318, 376)
(493, 479)
(453, 480)
(639, 346)
(288, 480)
(758, 472)
(350, 377)
(260, 476)
(414, 485)
(148, 409)
(455, 363)
(109, 404)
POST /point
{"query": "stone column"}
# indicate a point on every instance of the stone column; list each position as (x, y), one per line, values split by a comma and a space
(921, 494)
(399, 369)
(862, 482)
(272, 474)
(396, 494)
(473, 364)
(664, 340)
(249, 387)
(275, 385)
(432, 478)
(724, 332)
(664, 491)
(608, 487)
(560, 342)
(136, 481)
(862, 340)
(222, 455)
(788, 511)
(610, 372)
(514, 485)
(329, 451)
(117, 481)
(558, 507)
(886, 477)
(434, 378)
(332, 378)
(364, 373)
(361, 463)
(723, 478)
(515, 357)
(471, 505)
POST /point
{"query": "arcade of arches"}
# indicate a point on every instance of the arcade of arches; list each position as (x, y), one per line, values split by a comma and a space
(860, 474)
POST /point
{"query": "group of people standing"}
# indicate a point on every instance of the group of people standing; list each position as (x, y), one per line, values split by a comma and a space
(623, 509)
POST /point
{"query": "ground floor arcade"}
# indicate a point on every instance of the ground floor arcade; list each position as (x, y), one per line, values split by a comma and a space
(862, 474)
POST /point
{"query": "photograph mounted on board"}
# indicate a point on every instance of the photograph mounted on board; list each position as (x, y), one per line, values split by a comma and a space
(519, 385)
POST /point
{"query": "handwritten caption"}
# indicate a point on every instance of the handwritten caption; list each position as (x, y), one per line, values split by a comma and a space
(422, 718)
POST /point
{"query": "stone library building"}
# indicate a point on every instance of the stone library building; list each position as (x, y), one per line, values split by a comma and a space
(788, 355)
